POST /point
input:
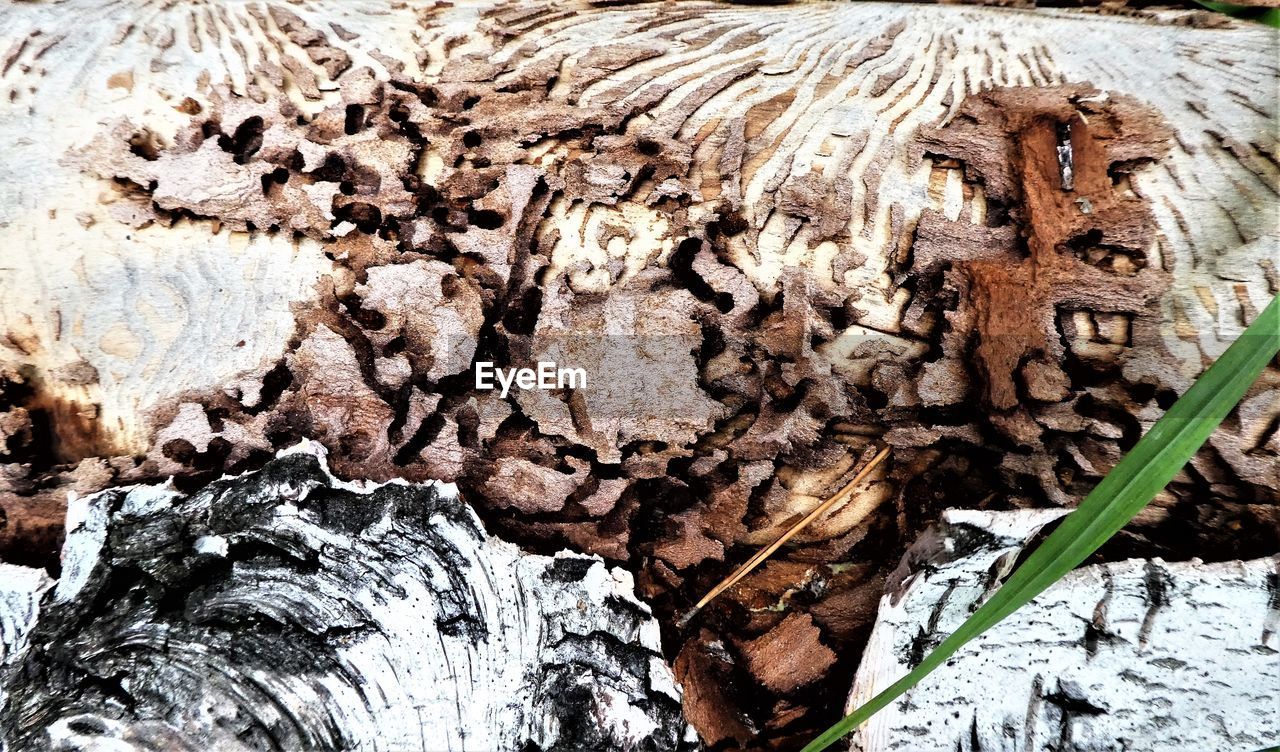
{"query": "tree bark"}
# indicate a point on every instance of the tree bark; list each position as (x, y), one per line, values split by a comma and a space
(1141, 655)
(20, 591)
(285, 609)
(776, 238)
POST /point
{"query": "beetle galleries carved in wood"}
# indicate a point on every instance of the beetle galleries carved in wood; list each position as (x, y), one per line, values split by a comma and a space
(771, 238)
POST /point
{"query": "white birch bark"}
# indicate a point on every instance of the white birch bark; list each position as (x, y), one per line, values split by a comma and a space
(1142, 656)
(285, 609)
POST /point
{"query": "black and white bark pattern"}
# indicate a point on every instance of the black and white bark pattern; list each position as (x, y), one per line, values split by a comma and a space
(285, 609)
(20, 592)
(1134, 655)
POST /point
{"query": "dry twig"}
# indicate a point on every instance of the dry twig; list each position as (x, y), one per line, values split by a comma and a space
(767, 551)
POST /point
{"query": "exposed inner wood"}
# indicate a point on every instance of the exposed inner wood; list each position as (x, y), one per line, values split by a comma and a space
(774, 237)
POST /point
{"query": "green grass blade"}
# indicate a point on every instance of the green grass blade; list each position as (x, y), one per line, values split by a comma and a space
(1144, 471)
(1268, 16)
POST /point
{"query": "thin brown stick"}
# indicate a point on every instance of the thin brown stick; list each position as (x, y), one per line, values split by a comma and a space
(767, 551)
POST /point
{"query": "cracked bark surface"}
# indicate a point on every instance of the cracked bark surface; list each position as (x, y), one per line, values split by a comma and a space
(774, 236)
(284, 609)
(1134, 655)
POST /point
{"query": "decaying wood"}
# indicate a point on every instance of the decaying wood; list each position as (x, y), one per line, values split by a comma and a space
(763, 554)
(772, 236)
(1134, 655)
(285, 609)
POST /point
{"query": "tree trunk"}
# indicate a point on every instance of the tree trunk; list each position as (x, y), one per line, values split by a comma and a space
(285, 609)
(774, 239)
(1140, 655)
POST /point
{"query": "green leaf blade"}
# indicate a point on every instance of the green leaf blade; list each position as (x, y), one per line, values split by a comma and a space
(1261, 14)
(1132, 483)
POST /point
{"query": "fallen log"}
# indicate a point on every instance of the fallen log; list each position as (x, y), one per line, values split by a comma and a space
(1140, 655)
(284, 609)
(998, 241)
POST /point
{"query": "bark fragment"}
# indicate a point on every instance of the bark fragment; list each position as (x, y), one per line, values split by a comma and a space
(1050, 159)
(790, 655)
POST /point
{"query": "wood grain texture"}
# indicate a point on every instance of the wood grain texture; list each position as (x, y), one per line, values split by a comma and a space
(797, 119)
(1135, 655)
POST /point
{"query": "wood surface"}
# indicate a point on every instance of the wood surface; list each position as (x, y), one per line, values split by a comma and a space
(999, 241)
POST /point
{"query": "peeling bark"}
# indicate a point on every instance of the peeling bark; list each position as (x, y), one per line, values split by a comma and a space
(285, 609)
